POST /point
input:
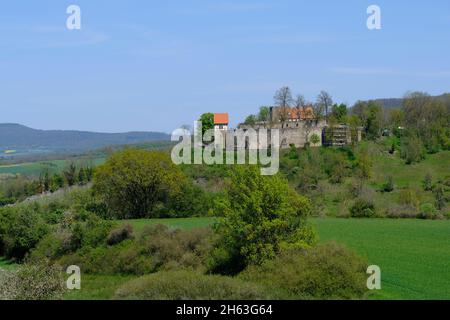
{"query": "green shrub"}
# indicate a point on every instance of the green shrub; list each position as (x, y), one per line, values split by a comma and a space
(88, 230)
(188, 285)
(51, 247)
(412, 150)
(155, 248)
(262, 216)
(428, 211)
(177, 248)
(32, 282)
(135, 183)
(389, 185)
(124, 258)
(428, 182)
(401, 211)
(328, 271)
(439, 197)
(409, 197)
(120, 234)
(362, 208)
(21, 228)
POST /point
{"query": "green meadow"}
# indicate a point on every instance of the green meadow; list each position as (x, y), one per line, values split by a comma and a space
(35, 168)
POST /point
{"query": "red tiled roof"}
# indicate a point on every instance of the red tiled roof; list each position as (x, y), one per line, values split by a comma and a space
(299, 113)
(220, 118)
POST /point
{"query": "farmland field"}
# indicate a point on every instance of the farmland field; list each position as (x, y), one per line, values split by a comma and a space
(413, 254)
(35, 168)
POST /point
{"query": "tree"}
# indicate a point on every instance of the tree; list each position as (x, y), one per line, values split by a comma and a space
(339, 111)
(283, 100)
(57, 182)
(318, 110)
(389, 184)
(263, 114)
(44, 181)
(134, 182)
(412, 149)
(429, 119)
(82, 176)
(250, 120)
(315, 139)
(428, 182)
(300, 102)
(325, 100)
(207, 121)
(363, 165)
(283, 97)
(396, 117)
(262, 216)
(359, 110)
(70, 174)
(438, 192)
(373, 121)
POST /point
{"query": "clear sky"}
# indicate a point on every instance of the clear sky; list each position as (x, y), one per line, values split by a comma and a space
(155, 65)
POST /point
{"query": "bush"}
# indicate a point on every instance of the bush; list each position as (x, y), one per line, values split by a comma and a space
(401, 211)
(362, 208)
(428, 182)
(409, 197)
(177, 248)
(21, 228)
(76, 231)
(51, 247)
(134, 183)
(389, 185)
(335, 166)
(155, 248)
(120, 234)
(32, 282)
(328, 271)
(188, 285)
(262, 216)
(88, 230)
(440, 199)
(412, 150)
(124, 258)
(428, 211)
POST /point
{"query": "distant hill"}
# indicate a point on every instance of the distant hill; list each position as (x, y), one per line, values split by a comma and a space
(23, 139)
(392, 103)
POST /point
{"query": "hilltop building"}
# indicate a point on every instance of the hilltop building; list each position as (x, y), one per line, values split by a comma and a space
(221, 121)
(296, 127)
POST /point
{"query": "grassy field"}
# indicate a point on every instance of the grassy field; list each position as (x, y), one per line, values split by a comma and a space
(413, 255)
(6, 264)
(35, 168)
(410, 175)
(98, 287)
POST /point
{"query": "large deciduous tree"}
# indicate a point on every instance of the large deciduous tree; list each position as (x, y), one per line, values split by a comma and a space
(261, 217)
(283, 100)
(324, 100)
(134, 182)
(207, 121)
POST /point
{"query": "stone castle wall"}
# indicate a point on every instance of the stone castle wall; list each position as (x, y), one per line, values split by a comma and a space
(292, 132)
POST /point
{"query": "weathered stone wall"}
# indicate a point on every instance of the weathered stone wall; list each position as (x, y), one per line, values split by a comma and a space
(292, 132)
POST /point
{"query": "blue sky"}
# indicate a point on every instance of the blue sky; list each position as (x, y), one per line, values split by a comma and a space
(155, 65)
